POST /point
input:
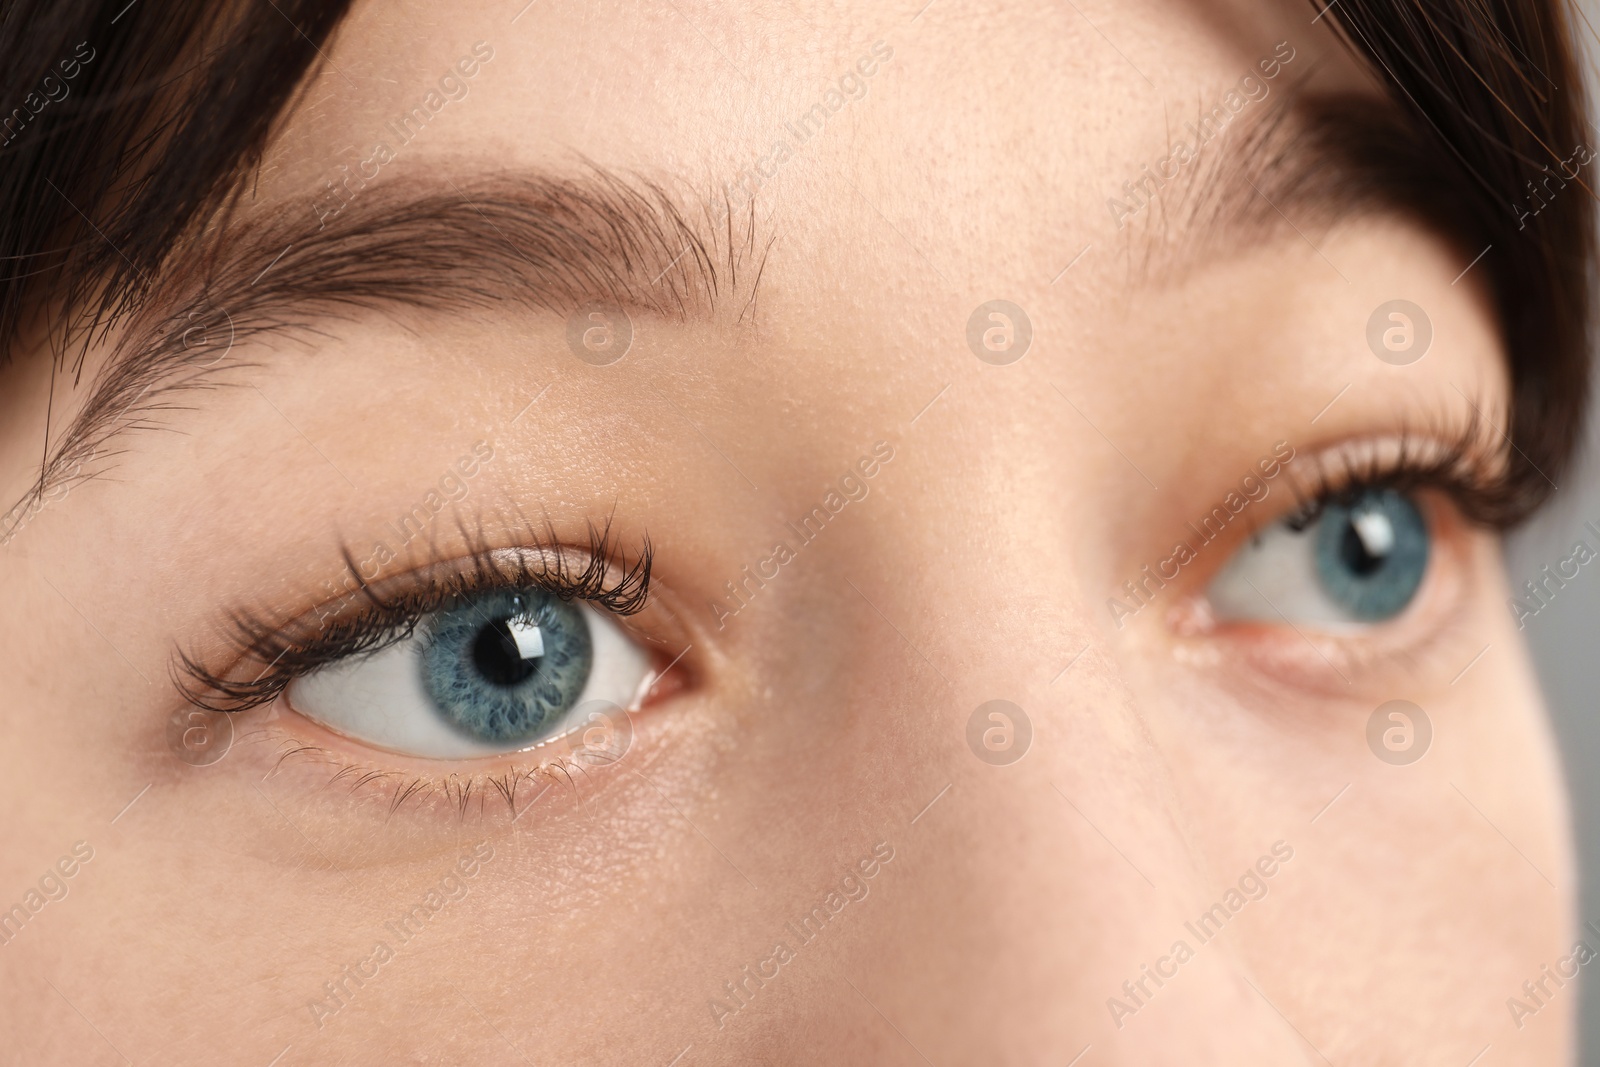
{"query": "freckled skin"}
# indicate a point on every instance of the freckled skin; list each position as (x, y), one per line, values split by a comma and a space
(629, 912)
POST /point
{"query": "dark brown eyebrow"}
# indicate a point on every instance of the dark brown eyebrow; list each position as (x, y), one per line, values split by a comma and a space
(556, 243)
(541, 241)
(1302, 167)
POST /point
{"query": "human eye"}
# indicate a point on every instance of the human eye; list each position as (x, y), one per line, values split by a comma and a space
(1359, 558)
(500, 671)
(1368, 532)
(502, 652)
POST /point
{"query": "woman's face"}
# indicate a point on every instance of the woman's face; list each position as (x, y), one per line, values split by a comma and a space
(993, 711)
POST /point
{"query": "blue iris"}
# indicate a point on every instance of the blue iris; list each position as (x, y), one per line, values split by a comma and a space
(505, 666)
(1371, 553)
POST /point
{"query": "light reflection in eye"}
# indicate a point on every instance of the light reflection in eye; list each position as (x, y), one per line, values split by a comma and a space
(496, 672)
(1361, 560)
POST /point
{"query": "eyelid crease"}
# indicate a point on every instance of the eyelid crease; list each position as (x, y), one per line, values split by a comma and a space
(367, 619)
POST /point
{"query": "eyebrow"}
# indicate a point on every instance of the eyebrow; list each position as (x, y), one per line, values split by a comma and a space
(1311, 163)
(557, 243)
(537, 240)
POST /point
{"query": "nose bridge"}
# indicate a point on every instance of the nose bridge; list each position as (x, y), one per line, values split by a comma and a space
(1080, 913)
(943, 597)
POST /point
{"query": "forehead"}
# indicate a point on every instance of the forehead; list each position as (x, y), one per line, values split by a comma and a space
(881, 173)
(1011, 124)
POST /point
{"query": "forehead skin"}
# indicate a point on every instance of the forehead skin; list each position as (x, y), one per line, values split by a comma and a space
(825, 716)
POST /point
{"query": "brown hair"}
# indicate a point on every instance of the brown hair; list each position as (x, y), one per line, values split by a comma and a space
(163, 127)
(1496, 86)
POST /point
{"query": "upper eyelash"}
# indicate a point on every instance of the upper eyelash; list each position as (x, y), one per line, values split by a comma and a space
(1468, 464)
(290, 648)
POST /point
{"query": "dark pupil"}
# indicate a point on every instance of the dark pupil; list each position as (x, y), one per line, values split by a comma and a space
(1353, 551)
(494, 653)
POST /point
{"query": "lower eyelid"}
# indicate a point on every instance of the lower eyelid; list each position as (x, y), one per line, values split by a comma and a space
(308, 756)
(303, 804)
(317, 774)
(308, 810)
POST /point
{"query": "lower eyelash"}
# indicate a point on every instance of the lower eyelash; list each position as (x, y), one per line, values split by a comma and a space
(366, 620)
(511, 787)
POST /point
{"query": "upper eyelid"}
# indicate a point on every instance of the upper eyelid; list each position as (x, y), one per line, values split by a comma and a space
(1318, 473)
(607, 579)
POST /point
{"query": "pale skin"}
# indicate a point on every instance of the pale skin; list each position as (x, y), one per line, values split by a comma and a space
(1168, 754)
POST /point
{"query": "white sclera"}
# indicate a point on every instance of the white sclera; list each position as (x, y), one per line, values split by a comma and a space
(1274, 577)
(381, 698)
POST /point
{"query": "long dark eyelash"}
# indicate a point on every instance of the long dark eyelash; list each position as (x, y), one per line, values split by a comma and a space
(1470, 465)
(366, 620)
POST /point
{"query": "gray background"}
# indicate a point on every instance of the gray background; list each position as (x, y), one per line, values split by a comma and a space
(1561, 636)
